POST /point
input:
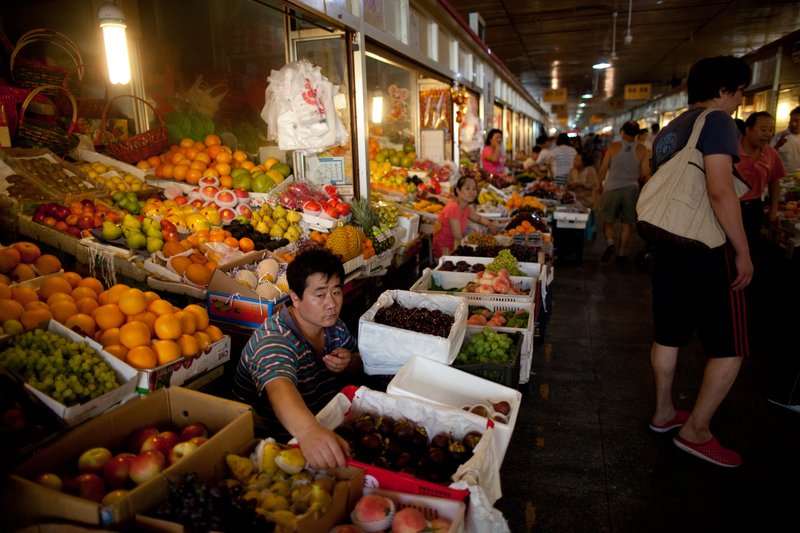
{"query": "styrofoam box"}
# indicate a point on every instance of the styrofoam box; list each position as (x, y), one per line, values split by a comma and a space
(562, 213)
(411, 225)
(527, 333)
(384, 349)
(92, 157)
(430, 507)
(455, 280)
(432, 382)
(530, 269)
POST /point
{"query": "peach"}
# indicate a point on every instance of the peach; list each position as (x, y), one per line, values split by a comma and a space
(181, 450)
(51, 481)
(372, 508)
(90, 487)
(157, 443)
(193, 431)
(171, 437)
(146, 466)
(409, 520)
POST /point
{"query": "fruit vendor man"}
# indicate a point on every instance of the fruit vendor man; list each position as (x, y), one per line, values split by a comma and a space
(290, 368)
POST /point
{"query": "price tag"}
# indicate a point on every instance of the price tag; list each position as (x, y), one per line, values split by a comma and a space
(519, 238)
(534, 239)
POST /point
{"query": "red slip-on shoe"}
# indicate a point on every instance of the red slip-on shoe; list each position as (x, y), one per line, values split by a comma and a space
(711, 451)
(680, 419)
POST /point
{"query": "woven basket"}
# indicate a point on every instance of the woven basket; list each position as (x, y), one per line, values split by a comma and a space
(30, 74)
(50, 136)
(87, 107)
(10, 98)
(141, 146)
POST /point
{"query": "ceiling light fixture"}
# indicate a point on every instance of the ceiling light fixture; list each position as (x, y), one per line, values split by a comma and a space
(112, 20)
(582, 104)
(602, 63)
(614, 38)
(629, 37)
(587, 96)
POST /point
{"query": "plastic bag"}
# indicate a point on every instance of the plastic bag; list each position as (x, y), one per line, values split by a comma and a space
(221, 252)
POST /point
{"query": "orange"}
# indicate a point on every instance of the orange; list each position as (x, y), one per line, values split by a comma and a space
(118, 351)
(160, 307)
(25, 295)
(211, 265)
(203, 340)
(109, 337)
(186, 142)
(63, 309)
(10, 310)
(5, 292)
(225, 181)
(189, 345)
(93, 284)
(211, 140)
(193, 176)
(217, 231)
(168, 327)
(33, 318)
(102, 298)
(217, 238)
(200, 146)
(167, 351)
(144, 165)
(115, 292)
(72, 277)
(154, 161)
(246, 245)
(133, 302)
(198, 165)
(54, 285)
(224, 169)
(232, 242)
(200, 315)
(151, 297)
(84, 322)
(226, 149)
(179, 173)
(59, 296)
(187, 244)
(87, 305)
(167, 170)
(247, 165)
(198, 274)
(142, 357)
(148, 319)
(214, 333)
(188, 322)
(109, 316)
(32, 306)
(204, 158)
(191, 153)
(211, 172)
(239, 156)
(224, 157)
(79, 293)
(134, 334)
(214, 151)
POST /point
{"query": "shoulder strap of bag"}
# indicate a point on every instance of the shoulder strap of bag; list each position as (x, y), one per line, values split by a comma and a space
(698, 128)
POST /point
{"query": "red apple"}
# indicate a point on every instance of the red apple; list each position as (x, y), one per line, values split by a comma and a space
(114, 496)
(50, 209)
(117, 469)
(29, 252)
(50, 221)
(94, 461)
(51, 481)
(62, 212)
(86, 222)
(199, 441)
(72, 220)
(41, 208)
(157, 443)
(39, 216)
(90, 487)
(146, 466)
(181, 450)
(74, 231)
(192, 431)
(138, 436)
(87, 203)
(171, 437)
(98, 221)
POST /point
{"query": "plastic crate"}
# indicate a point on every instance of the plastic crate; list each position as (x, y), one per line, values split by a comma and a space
(527, 333)
(431, 508)
(503, 373)
(530, 269)
(455, 280)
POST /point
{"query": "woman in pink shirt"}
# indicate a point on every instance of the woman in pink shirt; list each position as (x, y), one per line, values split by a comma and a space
(454, 218)
(492, 157)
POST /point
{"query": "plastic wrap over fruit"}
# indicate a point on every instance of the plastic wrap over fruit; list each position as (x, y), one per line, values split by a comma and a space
(298, 189)
(221, 252)
(288, 199)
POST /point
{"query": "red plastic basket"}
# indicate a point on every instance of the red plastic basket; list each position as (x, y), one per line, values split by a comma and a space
(141, 146)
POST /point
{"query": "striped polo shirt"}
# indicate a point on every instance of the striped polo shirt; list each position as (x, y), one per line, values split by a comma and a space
(279, 349)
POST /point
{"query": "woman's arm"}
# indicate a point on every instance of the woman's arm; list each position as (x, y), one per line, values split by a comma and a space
(492, 155)
(455, 229)
(475, 217)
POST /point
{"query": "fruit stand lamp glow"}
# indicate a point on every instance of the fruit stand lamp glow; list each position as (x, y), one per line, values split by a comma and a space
(602, 63)
(377, 106)
(112, 20)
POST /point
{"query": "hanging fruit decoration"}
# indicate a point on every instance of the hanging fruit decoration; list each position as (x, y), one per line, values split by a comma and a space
(460, 96)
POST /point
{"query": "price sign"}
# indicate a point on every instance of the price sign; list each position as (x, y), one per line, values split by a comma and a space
(519, 238)
(560, 110)
(555, 95)
(637, 92)
(615, 104)
(535, 240)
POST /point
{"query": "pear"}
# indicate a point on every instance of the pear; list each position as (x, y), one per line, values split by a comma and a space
(275, 502)
(265, 211)
(269, 454)
(302, 494)
(252, 495)
(241, 467)
(303, 478)
(281, 488)
(320, 496)
(283, 518)
(262, 227)
(111, 231)
(131, 222)
(279, 475)
(136, 241)
(325, 483)
(276, 232)
(279, 212)
(299, 508)
(154, 244)
(282, 222)
(291, 461)
(294, 217)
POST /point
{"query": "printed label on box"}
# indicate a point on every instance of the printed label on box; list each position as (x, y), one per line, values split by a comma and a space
(242, 310)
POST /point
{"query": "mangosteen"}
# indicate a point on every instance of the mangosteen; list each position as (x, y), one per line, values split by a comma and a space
(384, 425)
(346, 432)
(440, 441)
(403, 430)
(403, 461)
(364, 426)
(407, 470)
(381, 462)
(393, 448)
(437, 477)
(437, 459)
(458, 452)
(424, 464)
(471, 440)
(370, 446)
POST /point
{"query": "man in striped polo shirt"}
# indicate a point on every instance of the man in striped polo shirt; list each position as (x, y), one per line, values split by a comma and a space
(296, 356)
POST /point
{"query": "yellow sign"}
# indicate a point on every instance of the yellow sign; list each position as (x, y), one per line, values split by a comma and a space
(560, 110)
(617, 104)
(562, 120)
(637, 92)
(555, 95)
(594, 119)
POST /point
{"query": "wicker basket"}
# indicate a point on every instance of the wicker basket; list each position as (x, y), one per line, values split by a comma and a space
(87, 107)
(50, 136)
(141, 146)
(30, 74)
(10, 98)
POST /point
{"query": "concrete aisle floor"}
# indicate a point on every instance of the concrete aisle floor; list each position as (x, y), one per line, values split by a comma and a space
(582, 457)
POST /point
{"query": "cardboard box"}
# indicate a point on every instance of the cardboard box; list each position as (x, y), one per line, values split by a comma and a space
(343, 501)
(230, 424)
(117, 130)
(76, 414)
(178, 372)
(228, 300)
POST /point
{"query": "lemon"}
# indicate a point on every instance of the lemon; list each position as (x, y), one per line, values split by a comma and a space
(136, 186)
(111, 185)
(110, 168)
(129, 178)
(92, 174)
(101, 180)
(101, 169)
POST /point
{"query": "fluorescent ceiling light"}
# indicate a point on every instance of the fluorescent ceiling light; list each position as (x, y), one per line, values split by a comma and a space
(582, 104)
(602, 63)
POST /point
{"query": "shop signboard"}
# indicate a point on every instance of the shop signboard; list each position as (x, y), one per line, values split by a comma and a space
(560, 110)
(555, 95)
(637, 92)
(599, 117)
(562, 120)
(615, 104)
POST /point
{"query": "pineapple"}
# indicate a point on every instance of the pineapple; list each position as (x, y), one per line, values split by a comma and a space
(343, 241)
(365, 218)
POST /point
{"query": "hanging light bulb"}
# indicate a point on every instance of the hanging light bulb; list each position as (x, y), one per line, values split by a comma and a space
(112, 21)
(377, 106)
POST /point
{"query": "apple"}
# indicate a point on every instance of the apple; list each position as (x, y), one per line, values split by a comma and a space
(181, 450)
(146, 466)
(138, 436)
(227, 214)
(192, 431)
(94, 461)
(90, 487)
(74, 231)
(51, 481)
(117, 469)
(88, 203)
(199, 441)
(86, 222)
(41, 208)
(171, 437)
(72, 220)
(39, 216)
(157, 443)
(14, 418)
(198, 203)
(62, 213)
(50, 210)
(113, 496)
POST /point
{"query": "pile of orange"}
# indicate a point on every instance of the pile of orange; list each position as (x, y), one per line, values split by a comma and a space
(17, 263)
(374, 148)
(525, 227)
(137, 327)
(319, 237)
(366, 246)
(286, 257)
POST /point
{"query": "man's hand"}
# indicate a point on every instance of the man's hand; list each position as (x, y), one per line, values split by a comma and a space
(744, 269)
(337, 360)
(781, 141)
(772, 217)
(599, 190)
(323, 449)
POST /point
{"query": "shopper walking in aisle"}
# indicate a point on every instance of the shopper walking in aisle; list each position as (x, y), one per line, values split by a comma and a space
(618, 183)
(760, 165)
(697, 288)
(454, 218)
(560, 160)
(288, 370)
(787, 143)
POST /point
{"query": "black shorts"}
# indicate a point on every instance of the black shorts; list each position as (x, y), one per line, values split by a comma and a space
(692, 289)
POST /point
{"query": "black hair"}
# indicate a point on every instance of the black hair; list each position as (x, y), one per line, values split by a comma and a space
(537, 148)
(630, 128)
(309, 263)
(740, 125)
(490, 135)
(562, 139)
(541, 139)
(795, 111)
(708, 76)
(588, 160)
(462, 181)
(753, 118)
(655, 127)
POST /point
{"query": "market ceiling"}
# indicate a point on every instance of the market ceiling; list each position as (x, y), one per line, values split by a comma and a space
(553, 45)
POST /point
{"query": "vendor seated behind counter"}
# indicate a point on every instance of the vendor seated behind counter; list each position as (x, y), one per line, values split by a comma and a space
(288, 370)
